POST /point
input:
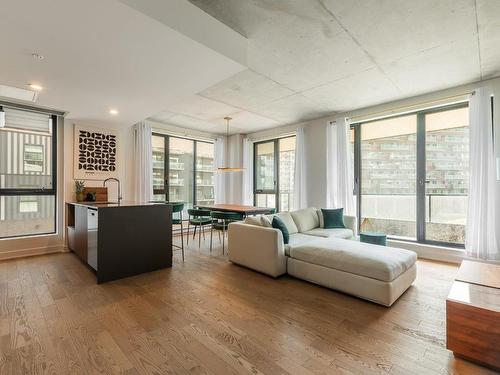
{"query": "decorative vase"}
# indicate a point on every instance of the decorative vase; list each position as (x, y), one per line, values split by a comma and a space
(79, 197)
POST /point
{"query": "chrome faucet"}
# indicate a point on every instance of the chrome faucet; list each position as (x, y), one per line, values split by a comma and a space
(119, 189)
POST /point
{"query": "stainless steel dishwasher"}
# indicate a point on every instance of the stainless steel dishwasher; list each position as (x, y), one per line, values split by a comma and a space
(92, 227)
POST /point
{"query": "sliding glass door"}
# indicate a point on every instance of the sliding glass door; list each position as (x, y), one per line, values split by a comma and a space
(388, 176)
(183, 170)
(412, 175)
(274, 165)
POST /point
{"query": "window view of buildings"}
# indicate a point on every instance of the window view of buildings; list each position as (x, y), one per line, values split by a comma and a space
(184, 175)
(26, 165)
(265, 173)
(389, 176)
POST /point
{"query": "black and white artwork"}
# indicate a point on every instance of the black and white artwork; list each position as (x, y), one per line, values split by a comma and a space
(96, 152)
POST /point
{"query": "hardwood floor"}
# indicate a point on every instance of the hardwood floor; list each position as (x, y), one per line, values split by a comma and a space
(207, 316)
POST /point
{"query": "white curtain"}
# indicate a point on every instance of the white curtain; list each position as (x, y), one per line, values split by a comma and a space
(220, 177)
(300, 173)
(340, 169)
(481, 241)
(143, 165)
(247, 172)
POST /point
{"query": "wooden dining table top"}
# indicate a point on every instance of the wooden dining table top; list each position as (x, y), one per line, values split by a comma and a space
(242, 209)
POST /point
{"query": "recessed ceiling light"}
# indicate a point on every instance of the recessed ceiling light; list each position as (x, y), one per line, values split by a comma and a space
(37, 57)
(113, 112)
(35, 87)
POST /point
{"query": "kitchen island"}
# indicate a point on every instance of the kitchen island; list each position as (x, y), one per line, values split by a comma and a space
(123, 239)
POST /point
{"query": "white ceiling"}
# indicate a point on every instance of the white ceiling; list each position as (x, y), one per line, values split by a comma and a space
(106, 54)
(309, 58)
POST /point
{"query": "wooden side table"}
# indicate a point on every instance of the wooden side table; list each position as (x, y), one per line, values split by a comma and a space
(473, 314)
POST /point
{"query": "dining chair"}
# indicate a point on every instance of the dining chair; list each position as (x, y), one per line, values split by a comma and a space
(178, 208)
(199, 218)
(220, 221)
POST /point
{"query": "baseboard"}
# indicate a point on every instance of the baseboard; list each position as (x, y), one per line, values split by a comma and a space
(424, 251)
(21, 253)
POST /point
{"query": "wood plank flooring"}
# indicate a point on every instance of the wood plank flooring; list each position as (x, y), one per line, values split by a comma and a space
(207, 316)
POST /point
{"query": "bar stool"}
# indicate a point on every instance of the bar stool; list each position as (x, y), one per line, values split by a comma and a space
(178, 208)
(198, 218)
(220, 221)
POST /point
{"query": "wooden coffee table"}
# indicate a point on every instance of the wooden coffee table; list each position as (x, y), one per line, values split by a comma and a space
(473, 314)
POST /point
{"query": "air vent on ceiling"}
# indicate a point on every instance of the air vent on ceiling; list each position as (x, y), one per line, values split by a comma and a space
(18, 94)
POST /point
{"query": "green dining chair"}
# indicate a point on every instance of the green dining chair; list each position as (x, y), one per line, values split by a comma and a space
(220, 221)
(177, 218)
(199, 218)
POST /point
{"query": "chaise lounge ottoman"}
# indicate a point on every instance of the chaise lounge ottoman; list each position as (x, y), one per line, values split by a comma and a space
(377, 273)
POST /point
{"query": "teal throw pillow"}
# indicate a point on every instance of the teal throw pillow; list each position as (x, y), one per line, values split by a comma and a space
(333, 218)
(279, 224)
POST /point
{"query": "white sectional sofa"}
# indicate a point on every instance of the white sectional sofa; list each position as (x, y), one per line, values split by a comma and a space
(328, 257)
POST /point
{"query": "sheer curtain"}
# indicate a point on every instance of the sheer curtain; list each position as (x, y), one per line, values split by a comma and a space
(340, 169)
(300, 177)
(481, 241)
(220, 177)
(248, 171)
(143, 162)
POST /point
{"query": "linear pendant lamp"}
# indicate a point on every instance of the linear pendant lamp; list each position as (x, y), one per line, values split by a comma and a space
(227, 168)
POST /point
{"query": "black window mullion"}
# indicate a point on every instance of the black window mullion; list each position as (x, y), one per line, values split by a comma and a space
(195, 152)
(357, 171)
(420, 178)
(166, 167)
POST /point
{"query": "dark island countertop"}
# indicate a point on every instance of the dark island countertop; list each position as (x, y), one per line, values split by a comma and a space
(98, 205)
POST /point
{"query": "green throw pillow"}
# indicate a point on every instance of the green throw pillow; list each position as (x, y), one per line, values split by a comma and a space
(333, 218)
(279, 224)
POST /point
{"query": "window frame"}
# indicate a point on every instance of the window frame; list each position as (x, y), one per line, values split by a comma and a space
(420, 171)
(276, 190)
(52, 191)
(166, 166)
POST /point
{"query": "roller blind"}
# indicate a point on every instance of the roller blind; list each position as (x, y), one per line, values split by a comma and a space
(27, 120)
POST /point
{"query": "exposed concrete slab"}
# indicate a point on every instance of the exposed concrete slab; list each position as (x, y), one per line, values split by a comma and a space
(246, 90)
(436, 69)
(391, 30)
(360, 90)
(488, 17)
(245, 122)
(201, 108)
(294, 108)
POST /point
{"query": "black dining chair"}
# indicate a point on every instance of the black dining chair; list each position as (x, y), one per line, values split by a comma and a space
(177, 219)
(220, 221)
(199, 218)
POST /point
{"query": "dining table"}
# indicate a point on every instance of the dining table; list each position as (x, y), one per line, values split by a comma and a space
(239, 208)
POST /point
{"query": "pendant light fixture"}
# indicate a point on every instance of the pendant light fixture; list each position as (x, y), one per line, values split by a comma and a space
(227, 168)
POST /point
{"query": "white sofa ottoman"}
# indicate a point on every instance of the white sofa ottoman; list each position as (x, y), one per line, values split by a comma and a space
(377, 273)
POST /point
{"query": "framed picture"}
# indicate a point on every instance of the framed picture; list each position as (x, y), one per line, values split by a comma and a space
(95, 153)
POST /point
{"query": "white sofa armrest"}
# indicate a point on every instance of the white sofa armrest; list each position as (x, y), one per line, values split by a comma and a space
(351, 223)
(258, 248)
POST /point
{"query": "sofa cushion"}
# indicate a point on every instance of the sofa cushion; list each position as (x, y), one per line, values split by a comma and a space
(320, 218)
(288, 220)
(305, 219)
(334, 232)
(253, 220)
(279, 224)
(333, 218)
(267, 221)
(296, 240)
(374, 261)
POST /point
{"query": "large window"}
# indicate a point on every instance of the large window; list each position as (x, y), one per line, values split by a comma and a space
(27, 173)
(412, 173)
(183, 170)
(274, 164)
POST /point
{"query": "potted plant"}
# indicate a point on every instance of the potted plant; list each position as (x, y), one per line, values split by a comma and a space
(79, 186)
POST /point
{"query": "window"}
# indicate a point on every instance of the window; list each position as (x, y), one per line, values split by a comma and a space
(27, 173)
(189, 165)
(33, 158)
(274, 165)
(411, 175)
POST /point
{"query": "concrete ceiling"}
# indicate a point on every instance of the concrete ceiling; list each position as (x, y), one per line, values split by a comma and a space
(309, 58)
(113, 54)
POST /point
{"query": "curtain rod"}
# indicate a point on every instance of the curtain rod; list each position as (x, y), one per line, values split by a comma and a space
(391, 111)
